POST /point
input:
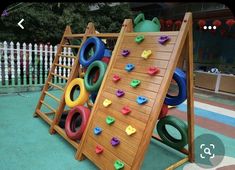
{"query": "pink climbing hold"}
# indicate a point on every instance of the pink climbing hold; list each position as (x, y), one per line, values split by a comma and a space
(126, 110)
(153, 70)
(116, 78)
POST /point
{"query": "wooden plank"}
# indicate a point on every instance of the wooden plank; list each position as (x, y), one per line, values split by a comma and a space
(124, 101)
(52, 96)
(128, 95)
(177, 164)
(63, 134)
(152, 47)
(56, 86)
(48, 106)
(71, 46)
(121, 85)
(64, 66)
(57, 75)
(140, 76)
(100, 35)
(125, 82)
(190, 95)
(105, 160)
(170, 33)
(68, 56)
(136, 53)
(136, 114)
(44, 117)
(149, 39)
(140, 63)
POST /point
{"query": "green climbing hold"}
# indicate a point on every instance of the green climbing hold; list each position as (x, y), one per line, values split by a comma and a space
(118, 165)
(135, 83)
(110, 120)
(139, 38)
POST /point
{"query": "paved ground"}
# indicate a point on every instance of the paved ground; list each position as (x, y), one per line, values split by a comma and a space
(25, 143)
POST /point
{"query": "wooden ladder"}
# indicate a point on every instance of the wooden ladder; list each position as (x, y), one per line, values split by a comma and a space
(75, 71)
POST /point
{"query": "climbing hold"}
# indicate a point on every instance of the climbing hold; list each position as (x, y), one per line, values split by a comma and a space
(110, 120)
(153, 70)
(125, 53)
(146, 53)
(141, 100)
(125, 110)
(107, 102)
(115, 141)
(120, 93)
(139, 38)
(97, 130)
(116, 78)
(163, 39)
(98, 149)
(129, 67)
(135, 83)
(118, 165)
(130, 130)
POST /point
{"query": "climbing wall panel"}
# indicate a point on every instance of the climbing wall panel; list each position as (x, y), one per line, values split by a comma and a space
(114, 147)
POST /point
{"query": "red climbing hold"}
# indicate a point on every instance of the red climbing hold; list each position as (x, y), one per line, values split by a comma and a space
(153, 70)
(125, 110)
(98, 149)
(116, 78)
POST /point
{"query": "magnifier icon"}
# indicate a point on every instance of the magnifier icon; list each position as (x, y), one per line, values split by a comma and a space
(207, 151)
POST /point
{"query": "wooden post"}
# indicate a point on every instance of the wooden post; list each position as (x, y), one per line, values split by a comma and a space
(190, 98)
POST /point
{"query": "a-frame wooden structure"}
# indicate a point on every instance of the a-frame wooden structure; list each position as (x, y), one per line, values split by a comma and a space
(75, 71)
(131, 149)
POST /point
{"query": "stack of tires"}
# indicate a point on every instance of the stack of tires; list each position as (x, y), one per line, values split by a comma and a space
(167, 120)
(94, 58)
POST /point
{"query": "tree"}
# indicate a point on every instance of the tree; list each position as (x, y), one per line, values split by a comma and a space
(45, 22)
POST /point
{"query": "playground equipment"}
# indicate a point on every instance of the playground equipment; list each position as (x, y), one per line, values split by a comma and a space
(130, 97)
(132, 117)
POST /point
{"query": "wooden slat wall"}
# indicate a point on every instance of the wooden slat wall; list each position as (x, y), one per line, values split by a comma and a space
(143, 117)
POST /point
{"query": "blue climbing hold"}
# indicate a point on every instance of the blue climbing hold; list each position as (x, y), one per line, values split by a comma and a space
(97, 130)
(129, 67)
(141, 100)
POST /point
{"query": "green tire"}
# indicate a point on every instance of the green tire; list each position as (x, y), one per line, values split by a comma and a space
(167, 138)
(90, 73)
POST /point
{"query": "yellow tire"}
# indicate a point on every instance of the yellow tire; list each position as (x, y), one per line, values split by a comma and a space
(83, 95)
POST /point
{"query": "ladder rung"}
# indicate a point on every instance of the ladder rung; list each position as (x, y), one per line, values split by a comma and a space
(52, 96)
(48, 106)
(68, 56)
(66, 78)
(71, 46)
(60, 65)
(56, 86)
(74, 35)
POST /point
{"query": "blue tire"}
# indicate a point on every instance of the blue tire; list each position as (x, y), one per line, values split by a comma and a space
(91, 43)
(180, 78)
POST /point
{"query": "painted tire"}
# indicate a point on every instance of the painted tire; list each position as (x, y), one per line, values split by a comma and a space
(166, 137)
(90, 85)
(83, 96)
(63, 119)
(81, 113)
(97, 55)
(164, 111)
(180, 78)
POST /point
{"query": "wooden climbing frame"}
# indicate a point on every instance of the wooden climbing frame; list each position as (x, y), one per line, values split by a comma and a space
(132, 149)
(75, 71)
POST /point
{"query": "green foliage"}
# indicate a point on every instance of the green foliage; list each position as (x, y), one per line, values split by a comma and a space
(45, 22)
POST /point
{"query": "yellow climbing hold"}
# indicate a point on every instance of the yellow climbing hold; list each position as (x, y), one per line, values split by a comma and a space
(107, 102)
(130, 130)
(146, 53)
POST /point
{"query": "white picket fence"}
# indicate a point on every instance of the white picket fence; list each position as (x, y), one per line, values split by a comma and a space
(27, 64)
